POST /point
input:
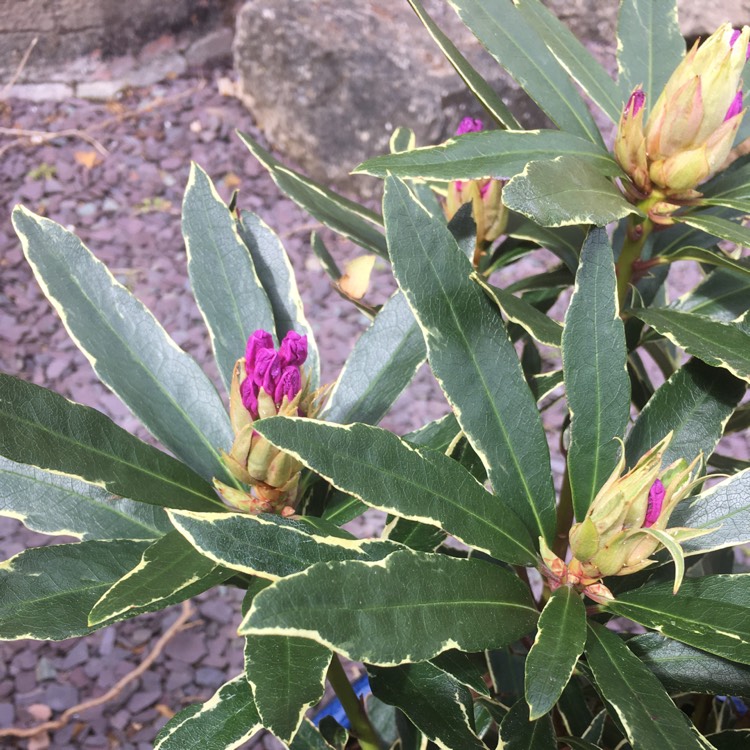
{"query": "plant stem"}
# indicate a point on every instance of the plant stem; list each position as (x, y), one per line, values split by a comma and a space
(352, 706)
(564, 517)
(635, 239)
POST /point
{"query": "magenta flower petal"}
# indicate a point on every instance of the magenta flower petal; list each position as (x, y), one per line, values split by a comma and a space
(293, 349)
(655, 499)
(469, 125)
(288, 385)
(263, 361)
(259, 340)
(249, 396)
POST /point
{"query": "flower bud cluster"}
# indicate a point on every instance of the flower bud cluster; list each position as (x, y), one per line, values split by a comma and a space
(626, 523)
(691, 128)
(485, 195)
(266, 382)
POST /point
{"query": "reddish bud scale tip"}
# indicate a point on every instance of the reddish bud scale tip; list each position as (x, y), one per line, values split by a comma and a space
(469, 125)
(655, 499)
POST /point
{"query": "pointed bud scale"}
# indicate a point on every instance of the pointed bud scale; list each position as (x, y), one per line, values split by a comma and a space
(690, 130)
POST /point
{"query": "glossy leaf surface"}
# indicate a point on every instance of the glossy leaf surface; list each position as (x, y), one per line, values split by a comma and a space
(435, 703)
(636, 695)
(46, 593)
(559, 642)
(418, 605)
(472, 358)
(381, 470)
(128, 349)
(267, 545)
(715, 342)
(170, 571)
(379, 367)
(43, 429)
(694, 404)
(59, 504)
(565, 191)
(224, 722)
(287, 676)
(222, 274)
(709, 613)
(490, 153)
(516, 45)
(596, 381)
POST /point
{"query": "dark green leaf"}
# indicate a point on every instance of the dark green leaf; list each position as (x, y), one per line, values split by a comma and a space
(650, 45)
(222, 274)
(413, 534)
(336, 212)
(287, 676)
(170, 571)
(501, 28)
(472, 358)
(709, 613)
(704, 255)
(226, 720)
(489, 99)
(128, 349)
(596, 381)
(383, 471)
(683, 669)
(565, 242)
(722, 295)
(46, 593)
(645, 710)
(59, 504)
(276, 275)
(266, 545)
(718, 227)
(380, 366)
(39, 427)
(715, 342)
(559, 642)
(309, 738)
(468, 669)
(407, 608)
(574, 57)
(565, 191)
(435, 703)
(491, 153)
(536, 323)
(695, 404)
(519, 732)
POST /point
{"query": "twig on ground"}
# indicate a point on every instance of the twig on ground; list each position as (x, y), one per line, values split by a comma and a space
(21, 65)
(52, 726)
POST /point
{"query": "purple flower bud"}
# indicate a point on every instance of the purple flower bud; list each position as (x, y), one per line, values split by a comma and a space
(733, 39)
(259, 340)
(263, 361)
(735, 107)
(271, 374)
(288, 385)
(655, 500)
(293, 349)
(249, 396)
(469, 125)
(635, 103)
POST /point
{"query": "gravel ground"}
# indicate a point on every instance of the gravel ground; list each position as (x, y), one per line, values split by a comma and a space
(125, 206)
